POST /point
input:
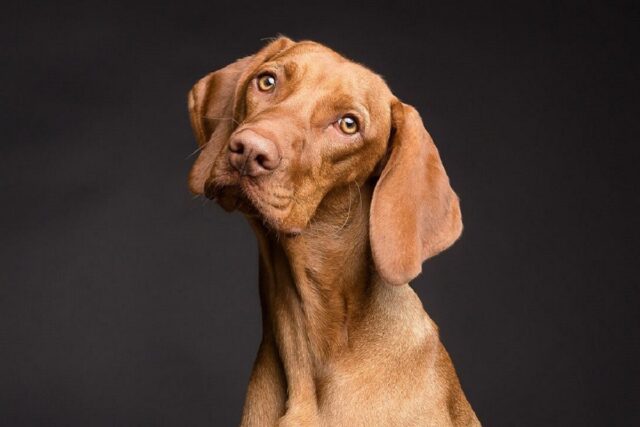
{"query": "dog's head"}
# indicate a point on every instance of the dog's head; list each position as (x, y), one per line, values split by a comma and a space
(281, 129)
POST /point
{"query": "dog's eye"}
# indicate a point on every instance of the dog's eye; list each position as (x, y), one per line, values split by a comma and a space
(348, 124)
(266, 82)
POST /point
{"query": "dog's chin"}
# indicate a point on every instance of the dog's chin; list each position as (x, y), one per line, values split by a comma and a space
(234, 198)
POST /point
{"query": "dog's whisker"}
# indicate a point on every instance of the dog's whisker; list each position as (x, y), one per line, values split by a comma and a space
(359, 194)
(196, 151)
(348, 212)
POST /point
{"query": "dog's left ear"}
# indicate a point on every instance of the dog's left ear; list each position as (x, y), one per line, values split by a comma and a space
(214, 107)
(415, 213)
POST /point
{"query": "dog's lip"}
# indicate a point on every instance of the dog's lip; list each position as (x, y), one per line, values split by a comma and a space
(212, 191)
(239, 194)
(243, 204)
(229, 196)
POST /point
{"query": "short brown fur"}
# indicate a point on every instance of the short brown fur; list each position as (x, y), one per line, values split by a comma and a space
(343, 223)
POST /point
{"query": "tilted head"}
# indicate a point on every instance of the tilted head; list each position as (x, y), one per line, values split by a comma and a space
(281, 129)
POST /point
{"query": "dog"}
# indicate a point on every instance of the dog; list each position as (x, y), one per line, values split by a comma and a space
(347, 195)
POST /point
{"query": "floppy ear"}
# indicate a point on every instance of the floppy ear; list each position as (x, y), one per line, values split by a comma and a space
(213, 108)
(414, 212)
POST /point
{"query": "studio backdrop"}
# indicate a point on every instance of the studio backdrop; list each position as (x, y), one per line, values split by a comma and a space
(125, 300)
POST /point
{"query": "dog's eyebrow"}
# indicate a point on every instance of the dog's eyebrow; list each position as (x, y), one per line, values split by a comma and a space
(340, 100)
(344, 103)
(290, 69)
(331, 104)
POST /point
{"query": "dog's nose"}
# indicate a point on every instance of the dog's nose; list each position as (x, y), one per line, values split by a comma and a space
(252, 154)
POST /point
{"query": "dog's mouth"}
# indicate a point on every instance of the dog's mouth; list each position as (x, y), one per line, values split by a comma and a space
(270, 206)
(231, 198)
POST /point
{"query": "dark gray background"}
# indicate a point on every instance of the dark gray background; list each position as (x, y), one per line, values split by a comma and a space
(124, 301)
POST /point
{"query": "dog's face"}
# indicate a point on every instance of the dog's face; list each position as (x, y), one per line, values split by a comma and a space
(307, 121)
(283, 128)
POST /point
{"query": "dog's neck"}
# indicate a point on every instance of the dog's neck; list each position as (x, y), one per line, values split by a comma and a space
(314, 286)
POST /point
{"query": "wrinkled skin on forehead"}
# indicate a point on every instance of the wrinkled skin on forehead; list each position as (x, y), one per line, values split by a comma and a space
(314, 88)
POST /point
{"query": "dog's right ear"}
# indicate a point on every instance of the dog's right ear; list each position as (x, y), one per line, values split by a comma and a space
(212, 104)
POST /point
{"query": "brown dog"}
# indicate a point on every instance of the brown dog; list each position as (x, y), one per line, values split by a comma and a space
(347, 195)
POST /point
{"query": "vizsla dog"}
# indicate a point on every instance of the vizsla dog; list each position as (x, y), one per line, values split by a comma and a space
(347, 195)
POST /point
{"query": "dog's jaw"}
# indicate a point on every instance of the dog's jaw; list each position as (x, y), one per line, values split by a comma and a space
(272, 208)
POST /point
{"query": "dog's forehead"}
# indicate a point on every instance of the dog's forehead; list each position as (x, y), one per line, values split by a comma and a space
(315, 62)
(331, 74)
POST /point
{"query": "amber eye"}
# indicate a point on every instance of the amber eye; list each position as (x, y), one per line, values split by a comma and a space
(348, 124)
(266, 82)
